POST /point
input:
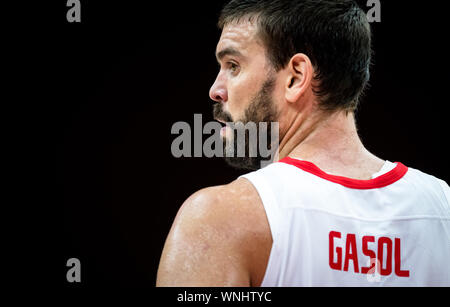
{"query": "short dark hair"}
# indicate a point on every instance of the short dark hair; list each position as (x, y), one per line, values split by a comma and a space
(334, 34)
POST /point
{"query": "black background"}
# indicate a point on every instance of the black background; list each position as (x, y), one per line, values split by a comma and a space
(130, 70)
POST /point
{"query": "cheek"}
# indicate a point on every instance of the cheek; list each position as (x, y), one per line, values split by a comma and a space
(240, 92)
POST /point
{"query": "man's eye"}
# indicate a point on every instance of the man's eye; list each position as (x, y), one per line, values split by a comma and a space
(233, 67)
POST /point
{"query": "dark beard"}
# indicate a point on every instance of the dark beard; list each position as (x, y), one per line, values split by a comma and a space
(262, 109)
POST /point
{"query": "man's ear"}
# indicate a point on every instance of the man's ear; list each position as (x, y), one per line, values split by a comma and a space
(300, 75)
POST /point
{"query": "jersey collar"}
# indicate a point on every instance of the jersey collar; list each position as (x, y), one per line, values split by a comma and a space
(380, 182)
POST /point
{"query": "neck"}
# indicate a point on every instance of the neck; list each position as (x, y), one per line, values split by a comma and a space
(328, 140)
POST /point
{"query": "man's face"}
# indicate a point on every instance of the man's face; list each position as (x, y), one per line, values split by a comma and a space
(244, 88)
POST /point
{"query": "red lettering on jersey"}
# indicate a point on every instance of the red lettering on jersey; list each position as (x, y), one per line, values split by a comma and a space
(398, 259)
(383, 256)
(388, 242)
(335, 265)
(369, 253)
(351, 253)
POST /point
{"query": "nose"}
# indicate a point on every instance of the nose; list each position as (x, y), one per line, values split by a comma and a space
(218, 91)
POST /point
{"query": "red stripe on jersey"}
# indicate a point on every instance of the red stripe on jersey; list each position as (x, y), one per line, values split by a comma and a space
(380, 182)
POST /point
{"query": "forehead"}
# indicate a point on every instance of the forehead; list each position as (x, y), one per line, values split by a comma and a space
(240, 36)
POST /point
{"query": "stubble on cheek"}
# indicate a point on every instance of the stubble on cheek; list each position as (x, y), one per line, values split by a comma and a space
(241, 92)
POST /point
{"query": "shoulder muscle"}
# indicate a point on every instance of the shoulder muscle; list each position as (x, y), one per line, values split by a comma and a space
(213, 239)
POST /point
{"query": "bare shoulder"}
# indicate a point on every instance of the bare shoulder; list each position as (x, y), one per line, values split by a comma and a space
(220, 237)
(236, 207)
(238, 199)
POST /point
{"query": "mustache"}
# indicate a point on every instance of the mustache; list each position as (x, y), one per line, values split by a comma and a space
(220, 114)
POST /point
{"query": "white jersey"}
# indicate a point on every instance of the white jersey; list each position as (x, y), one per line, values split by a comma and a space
(392, 230)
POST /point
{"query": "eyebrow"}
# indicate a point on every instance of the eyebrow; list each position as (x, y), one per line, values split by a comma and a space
(228, 51)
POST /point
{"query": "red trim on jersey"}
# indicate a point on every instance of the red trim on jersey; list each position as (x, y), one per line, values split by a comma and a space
(380, 182)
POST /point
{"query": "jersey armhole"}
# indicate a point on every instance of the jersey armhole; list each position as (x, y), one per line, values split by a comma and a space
(268, 200)
(271, 208)
(446, 191)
